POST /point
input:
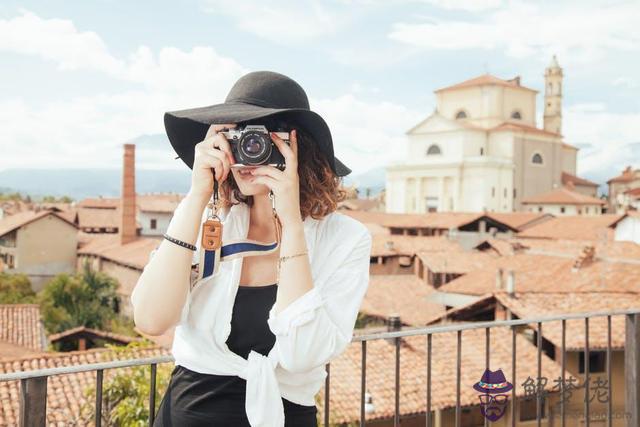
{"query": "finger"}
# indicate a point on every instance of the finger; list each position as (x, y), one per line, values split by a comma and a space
(266, 180)
(268, 170)
(226, 164)
(287, 153)
(219, 140)
(218, 164)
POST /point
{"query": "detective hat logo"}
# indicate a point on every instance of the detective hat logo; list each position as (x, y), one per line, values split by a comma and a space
(258, 94)
(493, 387)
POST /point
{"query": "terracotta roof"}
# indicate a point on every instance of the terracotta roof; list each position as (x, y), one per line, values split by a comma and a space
(530, 305)
(632, 192)
(519, 220)
(360, 204)
(21, 325)
(437, 220)
(458, 261)
(485, 80)
(563, 196)
(79, 330)
(500, 246)
(12, 222)
(396, 244)
(100, 218)
(545, 273)
(559, 247)
(521, 127)
(627, 175)
(576, 227)
(409, 299)
(65, 393)
(134, 254)
(380, 372)
(145, 202)
(566, 177)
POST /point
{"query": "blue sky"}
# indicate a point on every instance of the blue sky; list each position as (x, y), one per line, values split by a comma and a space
(81, 78)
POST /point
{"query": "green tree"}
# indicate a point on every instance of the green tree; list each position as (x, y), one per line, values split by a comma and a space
(16, 289)
(85, 299)
(125, 391)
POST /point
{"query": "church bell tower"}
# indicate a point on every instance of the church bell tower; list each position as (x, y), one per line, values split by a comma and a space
(553, 97)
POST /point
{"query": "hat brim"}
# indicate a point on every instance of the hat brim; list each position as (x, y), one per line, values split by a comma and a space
(186, 128)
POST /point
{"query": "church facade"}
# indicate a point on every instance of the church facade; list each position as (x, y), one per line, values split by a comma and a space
(481, 149)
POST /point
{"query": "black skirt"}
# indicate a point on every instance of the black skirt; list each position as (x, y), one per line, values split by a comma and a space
(194, 399)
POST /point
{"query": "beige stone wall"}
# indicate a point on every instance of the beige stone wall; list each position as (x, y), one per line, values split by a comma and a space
(44, 248)
(488, 106)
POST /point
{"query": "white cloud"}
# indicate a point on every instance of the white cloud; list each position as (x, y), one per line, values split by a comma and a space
(283, 21)
(367, 135)
(89, 130)
(469, 5)
(57, 40)
(608, 134)
(577, 32)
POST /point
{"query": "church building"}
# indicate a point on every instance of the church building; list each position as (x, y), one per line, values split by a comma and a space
(481, 149)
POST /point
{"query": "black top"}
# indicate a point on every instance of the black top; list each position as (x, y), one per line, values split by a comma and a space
(194, 394)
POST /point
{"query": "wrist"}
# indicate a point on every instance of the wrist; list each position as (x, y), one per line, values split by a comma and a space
(200, 198)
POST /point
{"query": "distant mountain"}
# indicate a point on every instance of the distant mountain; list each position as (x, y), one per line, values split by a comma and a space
(81, 183)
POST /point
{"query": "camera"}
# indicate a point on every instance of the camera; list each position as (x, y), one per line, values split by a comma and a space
(252, 145)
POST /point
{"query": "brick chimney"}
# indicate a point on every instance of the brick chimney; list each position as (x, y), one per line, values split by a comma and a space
(127, 228)
(586, 257)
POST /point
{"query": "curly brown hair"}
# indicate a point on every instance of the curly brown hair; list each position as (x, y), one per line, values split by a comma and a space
(320, 188)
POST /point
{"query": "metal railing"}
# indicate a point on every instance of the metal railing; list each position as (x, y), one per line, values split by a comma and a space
(34, 383)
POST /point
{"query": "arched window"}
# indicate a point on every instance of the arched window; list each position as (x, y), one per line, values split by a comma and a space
(433, 150)
(536, 159)
(516, 115)
(461, 115)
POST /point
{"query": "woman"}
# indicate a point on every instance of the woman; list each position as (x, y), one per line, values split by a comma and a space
(252, 337)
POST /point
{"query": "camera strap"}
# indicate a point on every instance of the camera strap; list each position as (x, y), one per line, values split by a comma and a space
(213, 251)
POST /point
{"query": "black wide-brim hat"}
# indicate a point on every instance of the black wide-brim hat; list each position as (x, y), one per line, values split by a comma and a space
(258, 94)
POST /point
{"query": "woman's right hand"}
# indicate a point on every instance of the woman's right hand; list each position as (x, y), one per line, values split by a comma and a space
(214, 151)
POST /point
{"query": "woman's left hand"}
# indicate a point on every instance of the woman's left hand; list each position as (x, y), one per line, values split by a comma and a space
(284, 184)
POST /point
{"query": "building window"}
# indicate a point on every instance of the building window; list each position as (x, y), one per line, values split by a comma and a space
(539, 208)
(153, 224)
(536, 159)
(597, 360)
(461, 115)
(433, 150)
(482, 151)
(505, 192)
(528, 407)
(493, 191)
(516, 115)
(562, 209)
(514, 193)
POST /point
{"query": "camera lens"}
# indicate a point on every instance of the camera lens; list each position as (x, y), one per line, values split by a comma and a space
(255, 148)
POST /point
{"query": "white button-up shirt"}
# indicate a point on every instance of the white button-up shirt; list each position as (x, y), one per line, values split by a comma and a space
(310, 331)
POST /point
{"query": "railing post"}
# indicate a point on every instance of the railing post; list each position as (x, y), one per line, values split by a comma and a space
(33, 402)
(632, 368)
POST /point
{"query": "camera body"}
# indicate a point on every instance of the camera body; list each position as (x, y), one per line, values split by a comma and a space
(252, 145)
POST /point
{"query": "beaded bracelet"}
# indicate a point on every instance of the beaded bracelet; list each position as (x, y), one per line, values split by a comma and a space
(179, 242)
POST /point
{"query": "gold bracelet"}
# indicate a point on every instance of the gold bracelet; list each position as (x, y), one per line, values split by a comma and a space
(284, 258)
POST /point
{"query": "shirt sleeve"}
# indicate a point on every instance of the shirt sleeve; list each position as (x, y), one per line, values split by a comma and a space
(318, 325)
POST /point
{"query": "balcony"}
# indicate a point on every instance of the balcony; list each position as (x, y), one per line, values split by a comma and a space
(444, 389)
